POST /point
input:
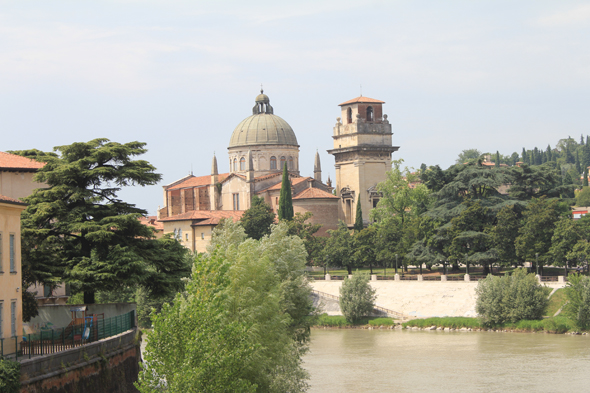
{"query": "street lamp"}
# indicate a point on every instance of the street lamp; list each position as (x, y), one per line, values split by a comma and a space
(466, 261)
(395, 263)
(537, 262)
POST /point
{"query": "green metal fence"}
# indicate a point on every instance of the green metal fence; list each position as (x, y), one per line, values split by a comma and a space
(55, 340)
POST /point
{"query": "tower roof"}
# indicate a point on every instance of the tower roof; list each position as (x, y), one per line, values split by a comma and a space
(363, 100)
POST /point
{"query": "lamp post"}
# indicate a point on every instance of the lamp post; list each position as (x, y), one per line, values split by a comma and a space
(537, 262)
(466, 261)
(395, 263)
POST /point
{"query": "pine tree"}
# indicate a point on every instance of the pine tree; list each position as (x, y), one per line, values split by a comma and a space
(358, 223)
(549, 156)
(285, 199)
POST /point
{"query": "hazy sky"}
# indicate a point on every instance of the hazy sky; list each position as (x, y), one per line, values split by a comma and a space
(180, 75)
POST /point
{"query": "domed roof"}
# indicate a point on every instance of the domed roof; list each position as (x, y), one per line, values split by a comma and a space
(263, 129)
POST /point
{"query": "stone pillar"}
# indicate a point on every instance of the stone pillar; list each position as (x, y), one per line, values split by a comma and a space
(467, 278)
(350, 276)
(373, 277)
(538, 278)
(443, 277)
(420, 278)
(328, 277)
(396, 277)
(561, 279)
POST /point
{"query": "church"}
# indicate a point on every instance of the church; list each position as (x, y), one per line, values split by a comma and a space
(259, 148)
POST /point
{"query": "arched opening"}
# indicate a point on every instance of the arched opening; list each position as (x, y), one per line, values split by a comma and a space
(235, 165)
(273, 162)
(290, 163)
(283, 160)
(349, 116)
(242, 164)
(370, 113)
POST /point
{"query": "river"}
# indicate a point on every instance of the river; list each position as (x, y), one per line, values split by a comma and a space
(354, 360)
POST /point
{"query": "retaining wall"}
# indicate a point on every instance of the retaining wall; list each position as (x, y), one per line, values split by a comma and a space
(109, 365)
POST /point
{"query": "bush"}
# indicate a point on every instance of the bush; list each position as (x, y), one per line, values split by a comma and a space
(447, 322)
(510, 298)
(357, 298)
(382, 322)
(578, 295)
(9, 376)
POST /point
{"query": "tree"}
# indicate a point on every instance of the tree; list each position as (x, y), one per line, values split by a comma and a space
(583, 197)
(78, 230)
(535, 181)
(306, 231)
(364, 242)
(510, 298)
(358, 222)
(357, 298)
(468, 155)
(285, 199)
(503, 235)
(258, 218)
(241, 325)
(497, 163)
(534, 236)
(578, 306)
(338, 250)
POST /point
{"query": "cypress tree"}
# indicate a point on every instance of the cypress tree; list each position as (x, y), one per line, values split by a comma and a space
(578, 165)
(549, 156)
(285, 199)
(358, 223)
(524, 156)
(497, 158)
(582, 139)
(585, 181)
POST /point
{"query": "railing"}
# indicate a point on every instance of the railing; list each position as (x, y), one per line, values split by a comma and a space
(56, 340)
(377, 308)
(409, 278)
(548, 278)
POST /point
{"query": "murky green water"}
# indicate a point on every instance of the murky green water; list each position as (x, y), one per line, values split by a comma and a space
(434, 361)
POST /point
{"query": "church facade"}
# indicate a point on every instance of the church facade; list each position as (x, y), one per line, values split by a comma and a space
(259, 148)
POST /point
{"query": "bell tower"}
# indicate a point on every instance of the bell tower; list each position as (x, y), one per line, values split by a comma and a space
(362, 152)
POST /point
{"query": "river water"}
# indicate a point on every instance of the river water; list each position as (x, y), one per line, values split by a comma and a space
(354, 360)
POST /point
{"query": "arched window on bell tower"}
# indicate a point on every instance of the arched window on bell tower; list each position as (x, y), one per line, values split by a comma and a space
(235, 165)
(349, 116)
(242, 164)
(370, 113)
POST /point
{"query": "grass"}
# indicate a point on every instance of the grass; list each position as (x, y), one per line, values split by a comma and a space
(326, 320)
(556, 301)
(450, 322)
(549, 325)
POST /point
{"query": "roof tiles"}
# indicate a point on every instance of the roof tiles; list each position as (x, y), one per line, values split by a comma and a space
(362, 99)
(13, 161)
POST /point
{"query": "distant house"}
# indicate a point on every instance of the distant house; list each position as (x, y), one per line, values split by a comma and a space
(152, 222)
(579, 212)
(11, 320)
(16, 175)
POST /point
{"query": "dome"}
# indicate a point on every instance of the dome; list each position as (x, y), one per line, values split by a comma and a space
(263, 129)
(262, 98)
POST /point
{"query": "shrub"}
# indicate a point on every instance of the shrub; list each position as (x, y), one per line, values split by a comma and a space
(382, 322)
(510, 298)
(9, 376)
(578, 295)
(357, 298)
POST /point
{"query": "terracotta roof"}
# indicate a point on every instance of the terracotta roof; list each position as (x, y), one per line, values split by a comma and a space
(197, 181)
(362, 99)
(294, 180)
(206, 217)
(12, 161)
(10, 200)
(152, 221)
(311, 193)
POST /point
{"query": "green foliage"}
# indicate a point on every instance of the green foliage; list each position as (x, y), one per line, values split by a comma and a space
(358, 222)
(258, 219)
(363, 244)
(445, 322)
(556, 301)
(550, 325)
(340, 321)
(510, 298)
(578, 295)
(468, 155)
(502, 235)
(243, 322)
(529, 182)
(9, 376)
(382, 322)
(339, 248)
(77, 230)
(30, 309)
(357, 297)
(314, 245)
(285, 198)
(583, 197)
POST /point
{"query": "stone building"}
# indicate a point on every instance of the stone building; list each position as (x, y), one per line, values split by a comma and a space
(259, 147)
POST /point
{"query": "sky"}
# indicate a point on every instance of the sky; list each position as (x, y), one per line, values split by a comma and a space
(181, 75)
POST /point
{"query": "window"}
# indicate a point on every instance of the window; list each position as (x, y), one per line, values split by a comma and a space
(1, 319)
(283, 160)
(290, 163)
(349, 115)
(375, 202)
(242, 164)
(186, 237)
(13, 318)
(236, 198)
(1, 259)
(273, 162)
(12, 262)
(370, 113)
(202, 235)
(179, 234)
(46, 290)
(235, 165)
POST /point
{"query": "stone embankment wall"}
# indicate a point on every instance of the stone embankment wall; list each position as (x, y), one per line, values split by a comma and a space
(109, 365)
(419, 299)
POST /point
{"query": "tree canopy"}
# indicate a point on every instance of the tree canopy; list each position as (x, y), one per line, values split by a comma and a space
(258, 218)
(285, 197)
(77, 230)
